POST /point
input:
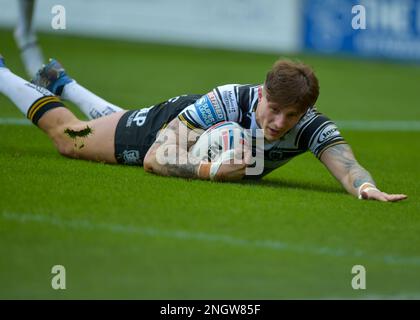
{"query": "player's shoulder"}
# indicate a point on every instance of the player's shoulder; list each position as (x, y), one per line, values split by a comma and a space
(228, 102)
(234, 86)
(237, 99)
(308, 118)
(227, 95)
(316, 130)
(238, 90)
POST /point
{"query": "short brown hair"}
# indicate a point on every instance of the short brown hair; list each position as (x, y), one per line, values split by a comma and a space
(292, 83)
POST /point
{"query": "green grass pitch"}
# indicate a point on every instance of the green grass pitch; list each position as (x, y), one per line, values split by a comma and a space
(121, 233)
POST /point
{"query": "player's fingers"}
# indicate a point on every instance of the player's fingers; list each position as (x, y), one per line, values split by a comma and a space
(383, 196)
(228, 172)
(380, 197)
(235, 164)
(231, 176)
(396, 197)
(238, 156)
(374, 195)
(248, 156)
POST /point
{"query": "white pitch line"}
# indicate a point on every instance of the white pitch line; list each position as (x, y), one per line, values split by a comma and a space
(15, 121)
(378, 125)
(82, 224)
(354, 125)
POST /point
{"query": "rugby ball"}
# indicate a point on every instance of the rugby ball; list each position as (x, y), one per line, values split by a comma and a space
(219, 142)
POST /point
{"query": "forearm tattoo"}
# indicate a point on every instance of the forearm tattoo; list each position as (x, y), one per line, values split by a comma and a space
(183, 170)
(179, 163)
(356, 173)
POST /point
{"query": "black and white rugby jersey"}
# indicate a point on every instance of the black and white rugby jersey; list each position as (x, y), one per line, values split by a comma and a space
(238, 103)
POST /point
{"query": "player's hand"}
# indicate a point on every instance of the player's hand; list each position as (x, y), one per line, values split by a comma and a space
(230, 172)
(374, 194)
(234, 169)
(224, 171)
(231, 168)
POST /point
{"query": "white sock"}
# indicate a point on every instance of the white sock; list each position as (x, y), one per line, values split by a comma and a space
(26, 39)
(21, 92)
(89, 103)
(32, 100)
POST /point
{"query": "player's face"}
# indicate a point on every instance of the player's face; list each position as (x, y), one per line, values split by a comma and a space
(275, 119)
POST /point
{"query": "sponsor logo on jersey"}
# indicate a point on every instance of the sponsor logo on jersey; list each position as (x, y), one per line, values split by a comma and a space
(216, 106)
(205, 111)
(229, 101)
(328, 132)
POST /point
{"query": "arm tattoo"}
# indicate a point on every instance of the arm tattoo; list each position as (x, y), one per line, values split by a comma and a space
(356, 173)
(360, 176)
(184, 170)
(179, 163)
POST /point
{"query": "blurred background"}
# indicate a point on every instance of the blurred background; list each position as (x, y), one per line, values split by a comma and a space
(391, 29)
(122, 233)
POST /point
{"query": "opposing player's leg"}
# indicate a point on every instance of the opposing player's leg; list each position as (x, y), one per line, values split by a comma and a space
(55, 79)
(89, 140)
(25, 38)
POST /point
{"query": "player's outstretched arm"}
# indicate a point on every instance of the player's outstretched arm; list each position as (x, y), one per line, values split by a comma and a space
(169, 156)
(340, 161)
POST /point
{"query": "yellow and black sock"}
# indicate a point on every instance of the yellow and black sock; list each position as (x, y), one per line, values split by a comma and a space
(42, 105)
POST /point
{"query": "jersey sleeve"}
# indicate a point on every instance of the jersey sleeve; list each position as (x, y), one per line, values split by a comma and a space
(220, 104)
(319, 134)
